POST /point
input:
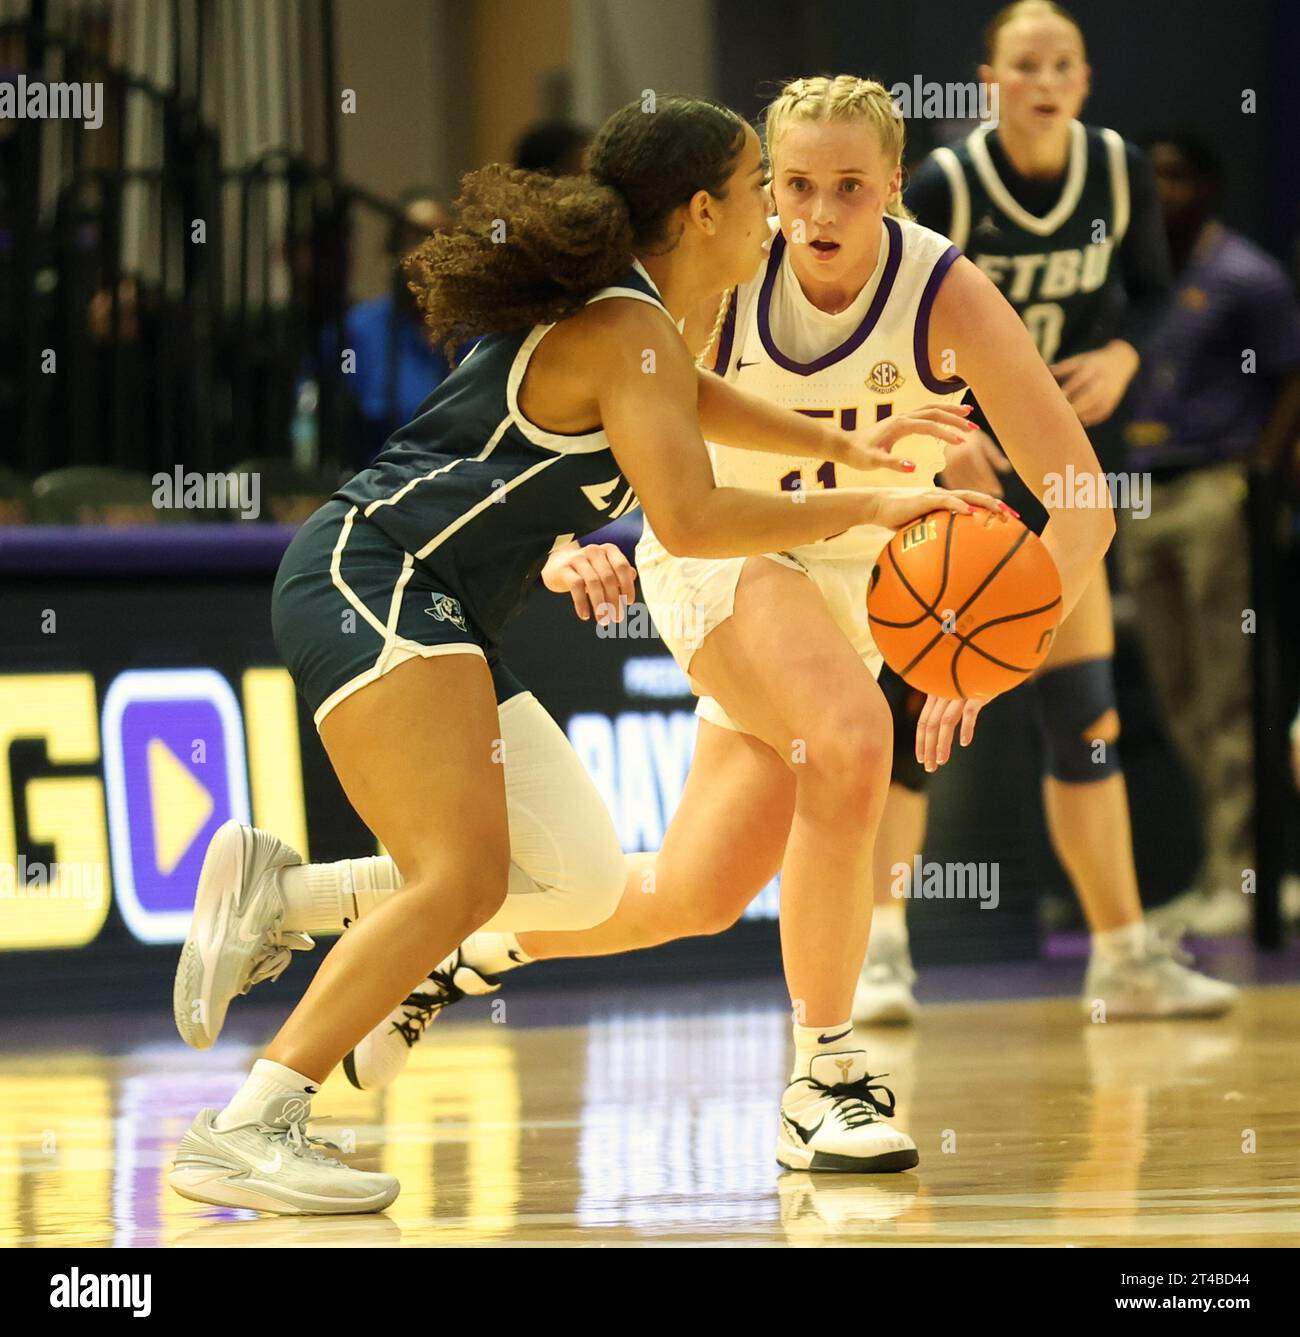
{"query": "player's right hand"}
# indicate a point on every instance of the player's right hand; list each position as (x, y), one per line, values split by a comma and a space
(872, 447)
(897, 507)
(601, 581)
(939, 718)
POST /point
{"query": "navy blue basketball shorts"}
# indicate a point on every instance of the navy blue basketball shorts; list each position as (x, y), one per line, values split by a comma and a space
(349, 606)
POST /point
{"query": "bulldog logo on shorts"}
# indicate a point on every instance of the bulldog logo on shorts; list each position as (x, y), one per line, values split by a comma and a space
(447, 609)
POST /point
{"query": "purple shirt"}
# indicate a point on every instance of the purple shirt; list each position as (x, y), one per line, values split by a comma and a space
(1193, 404)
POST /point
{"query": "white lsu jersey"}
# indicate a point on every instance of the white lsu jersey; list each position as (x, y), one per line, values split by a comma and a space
(880, 368)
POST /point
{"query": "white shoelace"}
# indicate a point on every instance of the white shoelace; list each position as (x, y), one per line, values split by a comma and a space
(274, 955)
(297, 1142)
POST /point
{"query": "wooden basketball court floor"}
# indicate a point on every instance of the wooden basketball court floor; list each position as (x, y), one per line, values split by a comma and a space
(651, 1122)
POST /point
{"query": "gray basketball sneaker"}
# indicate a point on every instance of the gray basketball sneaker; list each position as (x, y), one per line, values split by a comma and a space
(235, 939)
(1159, 982)
(884, 996)
(271, 1165)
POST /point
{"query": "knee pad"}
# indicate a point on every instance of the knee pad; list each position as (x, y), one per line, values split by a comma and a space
(590, 892)
(1070, 704)
(905, 705)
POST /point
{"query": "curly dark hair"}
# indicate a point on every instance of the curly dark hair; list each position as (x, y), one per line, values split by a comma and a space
(529, 249)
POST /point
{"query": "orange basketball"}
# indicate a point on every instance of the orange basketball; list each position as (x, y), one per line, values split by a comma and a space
(964, 605)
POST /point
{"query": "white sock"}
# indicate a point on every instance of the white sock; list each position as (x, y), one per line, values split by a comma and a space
(493, 953)
(888, 928)
(266, 1081)
(321, 897)
(810, 1041)
(1125, 943)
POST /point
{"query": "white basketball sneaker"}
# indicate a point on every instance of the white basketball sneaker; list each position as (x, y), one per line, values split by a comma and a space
(884, 994)
(271, 1165)
(235, 939)
(831, 1120)
(1157, 983)
(1224, 913)
(382, 1055)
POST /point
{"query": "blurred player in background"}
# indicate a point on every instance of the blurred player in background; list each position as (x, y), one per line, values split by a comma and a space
(1063, 217)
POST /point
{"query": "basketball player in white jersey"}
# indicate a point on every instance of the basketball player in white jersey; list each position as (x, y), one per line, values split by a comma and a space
(857, 314)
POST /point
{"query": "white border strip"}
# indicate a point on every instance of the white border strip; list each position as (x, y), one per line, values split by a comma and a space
(1001, 196)
(959, 221)
(138, 687)
(1119, 187)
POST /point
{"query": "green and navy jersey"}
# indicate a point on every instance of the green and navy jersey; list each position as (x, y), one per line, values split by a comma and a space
(1082, 258)
(478, 495)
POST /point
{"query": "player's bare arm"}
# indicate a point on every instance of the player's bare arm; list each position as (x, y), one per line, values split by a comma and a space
(647, 390)
(735, 417)
(1032, 419)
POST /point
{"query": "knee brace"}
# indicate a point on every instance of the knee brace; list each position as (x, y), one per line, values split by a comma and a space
(1070, 704)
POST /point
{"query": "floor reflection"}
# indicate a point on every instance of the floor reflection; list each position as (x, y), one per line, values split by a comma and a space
(648, 1126)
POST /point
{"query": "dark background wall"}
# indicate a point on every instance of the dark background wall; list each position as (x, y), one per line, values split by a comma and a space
(1155, 63)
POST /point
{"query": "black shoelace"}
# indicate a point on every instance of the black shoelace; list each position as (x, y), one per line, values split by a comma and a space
(854, 1103)
(423, 1007)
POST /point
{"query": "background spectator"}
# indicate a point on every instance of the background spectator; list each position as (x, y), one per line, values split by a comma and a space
(552, 146)
(1201, 409)
(397, 366)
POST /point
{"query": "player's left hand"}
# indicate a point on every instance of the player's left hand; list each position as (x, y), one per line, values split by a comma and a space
(939, 717)
(599, 578)
(975, 464)
(1095, 382)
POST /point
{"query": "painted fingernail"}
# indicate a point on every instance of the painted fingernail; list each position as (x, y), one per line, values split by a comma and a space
(907, 467)
(1012, 509)
(972, 427)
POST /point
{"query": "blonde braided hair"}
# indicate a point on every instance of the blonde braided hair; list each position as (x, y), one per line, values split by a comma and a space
(843, 97)
(705, 353)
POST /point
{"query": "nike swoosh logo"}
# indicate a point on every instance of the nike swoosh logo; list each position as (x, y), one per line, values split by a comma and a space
(807, 1134)
(244, 935)
(267, 1167)
(830, 1039)
(741, 365)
